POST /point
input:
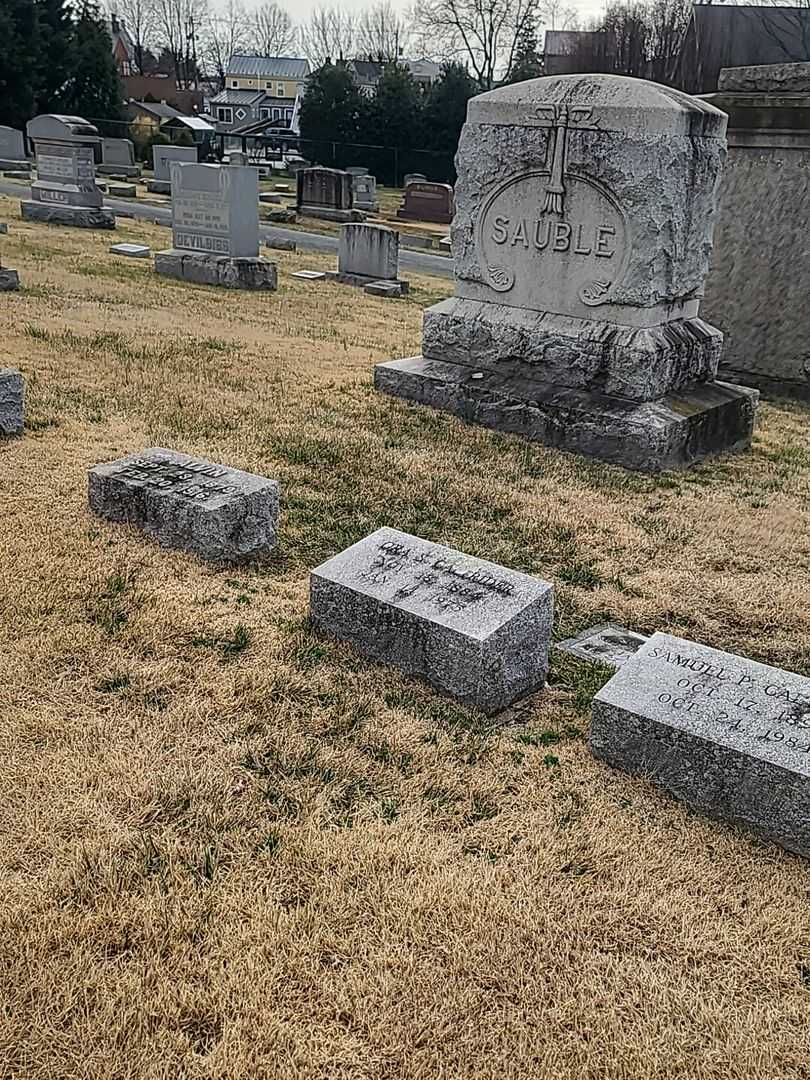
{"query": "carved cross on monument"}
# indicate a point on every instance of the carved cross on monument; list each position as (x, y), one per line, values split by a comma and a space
(559, 118)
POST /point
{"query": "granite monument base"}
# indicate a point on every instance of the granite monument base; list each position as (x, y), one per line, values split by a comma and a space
(118, 170)
(15, 166)
(9, 280)
(256, 273)
(673, 433)
(159, 187)
(81, 217)
(12, 390)
(328, 213)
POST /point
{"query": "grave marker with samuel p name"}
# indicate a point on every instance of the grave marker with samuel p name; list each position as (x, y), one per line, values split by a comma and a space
(475, 630)
(727, 735)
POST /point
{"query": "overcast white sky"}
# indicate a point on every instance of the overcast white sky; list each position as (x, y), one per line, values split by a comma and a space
(300, 9)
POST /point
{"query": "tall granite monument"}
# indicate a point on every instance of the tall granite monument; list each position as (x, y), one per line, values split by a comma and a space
(215, 228)
(581, 239)
(65, 190)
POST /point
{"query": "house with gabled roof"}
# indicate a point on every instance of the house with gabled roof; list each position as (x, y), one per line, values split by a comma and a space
(260, 88)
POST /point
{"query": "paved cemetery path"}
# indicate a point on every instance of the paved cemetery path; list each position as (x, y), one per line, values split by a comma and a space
(418, 261)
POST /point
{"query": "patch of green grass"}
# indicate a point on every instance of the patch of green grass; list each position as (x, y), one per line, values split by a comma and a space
(229, 646)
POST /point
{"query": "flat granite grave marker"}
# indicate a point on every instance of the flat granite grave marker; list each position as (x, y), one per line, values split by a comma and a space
(583, 222)
(9, 279)
(310, 275)
(477, 631)
(368, 253)
(215, 228)
(606, 643)
(134, 251)
(214, 511)
(12, 394)
(65, 190)
(727, 735)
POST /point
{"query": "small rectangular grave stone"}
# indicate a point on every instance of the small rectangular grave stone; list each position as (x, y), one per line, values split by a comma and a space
(122, 191)
(159, 187)
(134, 251)
(727, 735)
(385, 288)
(368, 253)
(606, 643)
(164, 156)
(12, 392)
(327, 194)
(280, 244)
(364, 192)
(475, 630)
(9, 280)
(427, 202)
(309, 275)
(214, 511)
(12, 144)
(118, 158)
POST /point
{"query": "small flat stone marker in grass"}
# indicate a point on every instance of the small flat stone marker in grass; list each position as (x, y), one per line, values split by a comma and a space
(384, 288)
(216, 512)
(280, 244)
(9, 280)
(607, 644)
(134, 251)
(12, 392)
(310, 275)
(727, 735)
(471, 628)
(122, 191)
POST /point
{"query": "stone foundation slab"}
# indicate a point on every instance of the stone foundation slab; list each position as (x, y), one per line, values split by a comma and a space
(258, 273)
(80, 217)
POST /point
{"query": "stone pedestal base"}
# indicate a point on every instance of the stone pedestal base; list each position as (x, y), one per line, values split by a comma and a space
(159, 187)
(673, 433)
(9, 280)
(82, 217)
(118, 170)
(14, 165)
(361, 280)
(326, 213)
(219, 270)
(12, 391)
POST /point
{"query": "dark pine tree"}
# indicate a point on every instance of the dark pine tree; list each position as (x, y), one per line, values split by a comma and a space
(445, 113)
(395, 119)
(19, 62)
(93, 89)
(332, 113)
(55, 64)
(527, 62)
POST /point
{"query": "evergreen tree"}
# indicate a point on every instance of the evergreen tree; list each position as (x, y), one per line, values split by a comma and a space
(446, 111)
(333, 107)
(396, 112)
(93, 89)
(55, 63)
(527, 62)
(19, 61)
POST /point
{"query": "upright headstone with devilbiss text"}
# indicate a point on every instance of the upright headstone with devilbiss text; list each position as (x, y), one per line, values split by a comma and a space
(584, 210)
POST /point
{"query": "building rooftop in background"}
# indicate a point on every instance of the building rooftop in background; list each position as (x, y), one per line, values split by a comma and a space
(565, 50)
(367, 73)
(158, 109)
(723, 35)
(268, 67)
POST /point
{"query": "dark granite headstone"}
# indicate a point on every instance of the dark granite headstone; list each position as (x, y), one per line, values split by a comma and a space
(427, 202)
(325, 193)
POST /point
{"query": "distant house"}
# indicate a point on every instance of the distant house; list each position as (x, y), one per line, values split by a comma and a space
(147, 117)
(123, 47)
(367, 73)
(162, 88)
(259, 88)
(568, 52)
(200, 130)
(723, 35)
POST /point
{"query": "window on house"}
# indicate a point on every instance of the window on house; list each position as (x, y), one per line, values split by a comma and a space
(288, 114)
(264, 114)
(268, 86)
(224, 114)
(280, 90)
(234, 83)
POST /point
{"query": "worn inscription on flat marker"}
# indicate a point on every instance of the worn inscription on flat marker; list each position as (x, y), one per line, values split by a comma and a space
(727, 735)
(215, 511)
(12, 392)
(476, 630)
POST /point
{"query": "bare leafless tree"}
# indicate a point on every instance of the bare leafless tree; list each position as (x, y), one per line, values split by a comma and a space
(329, 34)
(481, 33)
(272, 32)
(138, 17)
(226, 33)
(556, 15)
(382, 34)
(180, 27)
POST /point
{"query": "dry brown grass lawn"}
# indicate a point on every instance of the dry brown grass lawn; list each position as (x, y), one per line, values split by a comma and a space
(231, 848)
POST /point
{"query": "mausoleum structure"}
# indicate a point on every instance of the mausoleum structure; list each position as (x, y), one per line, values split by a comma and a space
(65, 190)
(581, 240)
